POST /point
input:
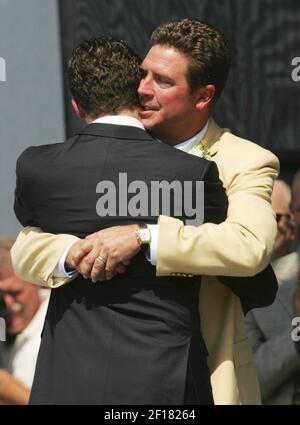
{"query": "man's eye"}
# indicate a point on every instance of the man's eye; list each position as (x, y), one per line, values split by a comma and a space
(164, 82)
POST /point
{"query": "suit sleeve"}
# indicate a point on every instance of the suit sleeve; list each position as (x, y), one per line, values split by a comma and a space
(35, 255)
(276, 359)
(241, 245)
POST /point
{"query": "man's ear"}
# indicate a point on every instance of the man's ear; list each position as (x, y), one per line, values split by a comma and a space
(77, 108)
(204, 96)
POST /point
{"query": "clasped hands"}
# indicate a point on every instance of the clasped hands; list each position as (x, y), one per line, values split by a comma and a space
(101, 255)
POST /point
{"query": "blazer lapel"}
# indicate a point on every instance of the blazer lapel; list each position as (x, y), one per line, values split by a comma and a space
(211, 138)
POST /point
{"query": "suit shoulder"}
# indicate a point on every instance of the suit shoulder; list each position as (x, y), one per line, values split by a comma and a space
(203, 168)
(244, 151)
(184, 161)
(33, 151)
(33, 155)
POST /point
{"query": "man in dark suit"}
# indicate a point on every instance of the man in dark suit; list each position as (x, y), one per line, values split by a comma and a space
(135, 339)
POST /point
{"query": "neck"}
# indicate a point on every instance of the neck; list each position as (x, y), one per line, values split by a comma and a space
(174, 138)
(181, 130)
(128, 112)
(173, 141)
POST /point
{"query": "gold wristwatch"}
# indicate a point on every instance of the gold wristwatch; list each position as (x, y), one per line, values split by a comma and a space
(143, 234)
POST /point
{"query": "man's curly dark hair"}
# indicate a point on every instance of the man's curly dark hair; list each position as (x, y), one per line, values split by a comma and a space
(104, 75)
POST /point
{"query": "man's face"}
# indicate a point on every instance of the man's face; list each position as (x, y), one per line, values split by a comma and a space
(167, 106)
(285, 224)
(21, 301)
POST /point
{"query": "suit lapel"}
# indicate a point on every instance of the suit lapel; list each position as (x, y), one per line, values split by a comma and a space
(211, 138)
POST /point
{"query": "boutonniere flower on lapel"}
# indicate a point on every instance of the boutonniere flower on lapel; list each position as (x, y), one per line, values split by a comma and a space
(201, 151)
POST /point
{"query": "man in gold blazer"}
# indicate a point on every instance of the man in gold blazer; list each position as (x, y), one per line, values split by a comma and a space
(241, 246)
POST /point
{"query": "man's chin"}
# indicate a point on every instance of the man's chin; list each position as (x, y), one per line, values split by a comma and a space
(148, 119)
(13, 331)
(14, 326)
(149, 125)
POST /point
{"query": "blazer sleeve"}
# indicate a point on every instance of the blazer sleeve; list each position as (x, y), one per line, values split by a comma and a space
(241, 245)
(35, 255)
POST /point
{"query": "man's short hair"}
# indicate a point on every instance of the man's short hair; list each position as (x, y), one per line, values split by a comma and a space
(204, 46)
(104, 75)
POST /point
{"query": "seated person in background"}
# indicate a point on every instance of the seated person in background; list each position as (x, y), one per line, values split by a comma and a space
(11, 390)
(296, 203)
(23, 308)
(269, 329)
(296, 298)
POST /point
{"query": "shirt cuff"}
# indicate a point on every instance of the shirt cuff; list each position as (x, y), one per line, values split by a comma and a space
(60, 270)
(154, 230)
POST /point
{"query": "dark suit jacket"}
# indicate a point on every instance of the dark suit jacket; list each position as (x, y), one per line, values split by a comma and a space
(129, 340)
(255, 291)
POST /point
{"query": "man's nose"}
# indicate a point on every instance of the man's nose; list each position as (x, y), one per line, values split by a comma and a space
(145, 87)
(8, 301)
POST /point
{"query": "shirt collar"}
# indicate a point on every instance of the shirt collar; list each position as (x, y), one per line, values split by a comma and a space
(120, 120)
(187, 145)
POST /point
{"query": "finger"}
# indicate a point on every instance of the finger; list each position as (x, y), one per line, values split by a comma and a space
(98, 268)
(81, 251)
(120, 268)
(87, 263)
(109, 274)
(125, 262)
(110, 267)
(102, 276)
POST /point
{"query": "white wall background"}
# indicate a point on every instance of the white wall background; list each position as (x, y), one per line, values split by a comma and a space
(31, 98)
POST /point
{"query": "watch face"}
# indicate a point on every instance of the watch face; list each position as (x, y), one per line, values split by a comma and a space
(145, 235)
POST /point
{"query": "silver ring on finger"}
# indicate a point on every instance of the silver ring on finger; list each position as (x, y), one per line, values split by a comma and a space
(101, 259)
